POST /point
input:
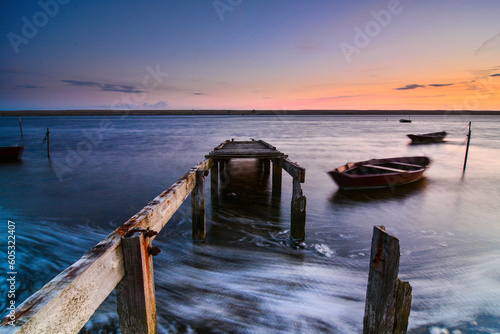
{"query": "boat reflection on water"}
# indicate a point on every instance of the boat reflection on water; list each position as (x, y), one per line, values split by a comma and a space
(384, 194)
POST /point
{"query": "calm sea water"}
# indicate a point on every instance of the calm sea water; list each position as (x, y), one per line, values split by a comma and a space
(247, 278)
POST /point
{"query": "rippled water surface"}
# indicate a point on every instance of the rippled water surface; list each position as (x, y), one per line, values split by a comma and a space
(247, 278)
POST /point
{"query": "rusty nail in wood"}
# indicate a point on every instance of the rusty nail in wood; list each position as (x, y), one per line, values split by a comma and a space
(149, 233)
(153, 251)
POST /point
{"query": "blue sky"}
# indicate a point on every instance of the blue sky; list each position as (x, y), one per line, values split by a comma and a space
(241, 54)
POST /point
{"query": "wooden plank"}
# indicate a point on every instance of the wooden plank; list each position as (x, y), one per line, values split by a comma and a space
(221, 145)
(293, 169)
(199, 220)
(67, 302)
(136, 301)
(385, 296)
(267, 145)
(386, 168)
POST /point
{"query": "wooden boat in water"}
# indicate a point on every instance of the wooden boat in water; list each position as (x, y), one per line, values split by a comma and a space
(428, 138)
(11, 152)
(380, 173)
(405, 120)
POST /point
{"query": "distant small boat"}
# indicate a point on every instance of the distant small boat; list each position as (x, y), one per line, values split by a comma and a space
(405, 120)
(11, 153)
(428, 138)
(380, 173)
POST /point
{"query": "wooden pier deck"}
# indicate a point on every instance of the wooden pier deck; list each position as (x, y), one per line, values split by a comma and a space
(245, 149)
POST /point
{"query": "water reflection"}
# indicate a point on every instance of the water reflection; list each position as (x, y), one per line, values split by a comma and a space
(346, 197)
(245, 210)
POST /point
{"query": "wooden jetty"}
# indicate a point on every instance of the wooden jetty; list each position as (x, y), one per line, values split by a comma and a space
(266, 153)
(123, 260)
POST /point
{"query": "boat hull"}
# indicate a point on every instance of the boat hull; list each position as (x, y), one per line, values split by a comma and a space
(380, 173)
(11, 153)
(428, 138)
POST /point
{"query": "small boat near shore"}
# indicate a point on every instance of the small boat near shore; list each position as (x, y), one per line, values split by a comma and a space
(428, 138)
(405, 120)
(9, 153)
(380, 173)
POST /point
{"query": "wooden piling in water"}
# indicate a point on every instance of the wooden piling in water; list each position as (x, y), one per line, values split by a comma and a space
(21, 127)
(266, 167)
(199, 220)
(467, 149)
(48, 143)
(277, 178)
(388, 299)
(136, 300)
(214, 181)
(298, 219)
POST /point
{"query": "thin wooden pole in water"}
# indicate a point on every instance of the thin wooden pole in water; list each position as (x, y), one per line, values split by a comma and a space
(21, 127)
(467, 149)
(48, 142)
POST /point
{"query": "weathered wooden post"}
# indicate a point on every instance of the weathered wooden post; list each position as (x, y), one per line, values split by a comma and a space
(47, 137)
(388, 299)
(198, 207)
(467, 149)
(214, 180)
(136, 291)
(265, 167)
(223, 174)
(21, 127)
(298, 224)
(277, 178)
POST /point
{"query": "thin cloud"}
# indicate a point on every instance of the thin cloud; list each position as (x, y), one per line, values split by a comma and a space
(27, 86)
(104, 86)
(495, 75)
(488, 44)
(411, 86)
(441, 85)
(199, 94)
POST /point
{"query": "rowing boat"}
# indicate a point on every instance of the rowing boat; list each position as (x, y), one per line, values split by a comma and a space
(380, 173)
(428, 138)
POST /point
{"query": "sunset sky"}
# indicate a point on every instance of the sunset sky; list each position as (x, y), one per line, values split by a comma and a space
(243, 54)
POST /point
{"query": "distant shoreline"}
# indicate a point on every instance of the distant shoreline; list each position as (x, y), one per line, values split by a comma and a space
(110, 112)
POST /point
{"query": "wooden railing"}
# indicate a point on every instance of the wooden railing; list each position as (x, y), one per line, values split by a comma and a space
(66, 303)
